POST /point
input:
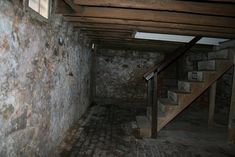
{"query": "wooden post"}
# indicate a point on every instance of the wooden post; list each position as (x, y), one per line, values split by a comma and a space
(149, 98)
(154, 108)
(93, 76)
(180, 68)
(231, 122)
(212, 97)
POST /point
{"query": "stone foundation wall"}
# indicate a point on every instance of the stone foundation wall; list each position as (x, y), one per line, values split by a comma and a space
(119, 74)
(44, 83)
(224, 85)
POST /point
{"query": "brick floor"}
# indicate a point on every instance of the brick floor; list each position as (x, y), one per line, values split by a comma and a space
(110, 131)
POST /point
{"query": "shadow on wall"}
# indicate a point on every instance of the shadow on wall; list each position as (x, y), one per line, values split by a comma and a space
(119, 74)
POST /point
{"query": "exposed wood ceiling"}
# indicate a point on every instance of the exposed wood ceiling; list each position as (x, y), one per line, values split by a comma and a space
(114, 22)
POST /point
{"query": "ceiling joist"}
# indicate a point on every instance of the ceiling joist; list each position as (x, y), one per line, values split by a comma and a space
(154, 29)
(163, 5)
(156, 16)
(118, 20)
(148, 24)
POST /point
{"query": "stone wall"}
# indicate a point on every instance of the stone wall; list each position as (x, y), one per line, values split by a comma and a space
(224, 84)
(44, 83)
(119, 74)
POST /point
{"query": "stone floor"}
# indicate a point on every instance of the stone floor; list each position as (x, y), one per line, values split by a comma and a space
(110, 130)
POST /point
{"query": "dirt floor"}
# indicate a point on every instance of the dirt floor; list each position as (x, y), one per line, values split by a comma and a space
(110, 130)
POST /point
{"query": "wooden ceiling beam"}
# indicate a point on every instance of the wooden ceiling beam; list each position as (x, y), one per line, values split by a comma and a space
(109, 34)
(104, 30)
(145, 47)
(154, 30)
(146, 44)
(119, 36)
(157, 43)
(148, 24)
(163, 5)
(133, 40)
(221, 1)
(156, 16)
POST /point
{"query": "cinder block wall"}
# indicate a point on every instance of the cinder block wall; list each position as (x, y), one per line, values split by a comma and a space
(44, 84)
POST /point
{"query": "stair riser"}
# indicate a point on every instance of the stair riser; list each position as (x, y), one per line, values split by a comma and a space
(222, 54)
(207, 65)
(184, 86)
(195, 76)
(173, 97)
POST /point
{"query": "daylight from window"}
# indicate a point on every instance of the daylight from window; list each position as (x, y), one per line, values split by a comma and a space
(40, 6)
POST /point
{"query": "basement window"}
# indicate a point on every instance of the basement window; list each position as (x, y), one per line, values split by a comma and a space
(178, 38)
(40, 6)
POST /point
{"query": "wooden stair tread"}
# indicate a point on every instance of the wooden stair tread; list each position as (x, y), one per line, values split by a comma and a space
(188, 98)
(191, 81)
(180, 91)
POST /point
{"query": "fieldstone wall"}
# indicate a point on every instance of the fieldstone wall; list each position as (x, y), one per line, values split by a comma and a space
(44, 83)
(119, 74)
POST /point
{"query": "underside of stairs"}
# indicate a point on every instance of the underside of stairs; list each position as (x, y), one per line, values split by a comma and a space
(197, 82)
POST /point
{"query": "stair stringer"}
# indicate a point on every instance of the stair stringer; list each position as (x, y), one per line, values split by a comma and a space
(196, 90)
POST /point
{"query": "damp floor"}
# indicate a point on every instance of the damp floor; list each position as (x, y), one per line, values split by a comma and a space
(110, 130)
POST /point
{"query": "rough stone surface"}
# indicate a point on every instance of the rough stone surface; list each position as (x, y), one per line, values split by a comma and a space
(221, 54)
(224, 84)
(120, 73)
(44, 85)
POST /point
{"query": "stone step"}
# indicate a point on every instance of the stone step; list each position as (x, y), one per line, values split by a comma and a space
(195, 76)
(207, 65)
(184, 86)
(175, 95)
(144, 126)
(221, 54)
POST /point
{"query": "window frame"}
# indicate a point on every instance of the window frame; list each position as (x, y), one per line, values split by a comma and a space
(37, 15)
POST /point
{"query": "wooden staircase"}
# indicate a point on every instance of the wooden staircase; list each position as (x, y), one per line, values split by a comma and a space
(208, 71)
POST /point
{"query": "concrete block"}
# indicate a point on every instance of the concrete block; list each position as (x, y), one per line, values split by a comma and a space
(195, 76)
(173, 97)
(184, 86)
(161, 109)
(207, 65)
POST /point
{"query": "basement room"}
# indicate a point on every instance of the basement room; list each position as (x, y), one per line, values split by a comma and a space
(117, 78)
